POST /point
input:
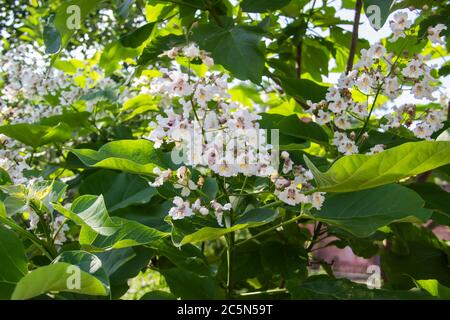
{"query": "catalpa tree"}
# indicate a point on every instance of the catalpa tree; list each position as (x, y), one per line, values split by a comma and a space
(211, 149)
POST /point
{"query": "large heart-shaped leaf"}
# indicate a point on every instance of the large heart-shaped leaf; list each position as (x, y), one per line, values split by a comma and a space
(363, 212)
(87, 262)
(129, 233)
(58, 277)
(119, 189)
(69, 17)
(133, 156)
(35, 135)
(293, 126)
(89, 211)
(236, 48)
(137, 37)
(303, 89)
(14, 263)
(377, 12)
(359, 171)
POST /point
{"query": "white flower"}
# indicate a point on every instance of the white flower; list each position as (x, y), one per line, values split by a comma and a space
(224, 169)
(322, 117)
(163, 176)
(333, 94)
(377, 50)
(360, 109)
(391, 87)
(376, 149)
(208, 61)
(292, 196)
(33, 219)
(348, 147)
(317, 199)
(184, 183)
(342, 122)
(337, 106)
(347, 81)
(197, 206)
(364, 82)
(433, 119)
(433, 33)
(366, 60)
(219, 209)
(58, 226)
(398, 25)
(422, 131)
(182, 209)
(413, 69)
(422, 90)
(191, 51)
(203, 94)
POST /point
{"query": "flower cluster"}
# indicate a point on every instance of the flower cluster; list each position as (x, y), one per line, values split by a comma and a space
(380, 73)
(217, 135)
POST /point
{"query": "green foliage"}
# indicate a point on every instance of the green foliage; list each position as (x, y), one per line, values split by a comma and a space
(236, 48)
(85, 215)
(357, 172)
(55, 277)
(35, 135)
(133, 156)
(363, 212)
(14, 262)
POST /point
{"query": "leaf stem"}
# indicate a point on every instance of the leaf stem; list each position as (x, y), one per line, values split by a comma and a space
(294, 219)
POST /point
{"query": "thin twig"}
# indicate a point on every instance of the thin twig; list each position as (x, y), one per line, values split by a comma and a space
(351, 56)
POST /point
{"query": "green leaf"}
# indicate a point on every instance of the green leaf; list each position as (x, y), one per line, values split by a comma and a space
(89, 211)
(133, 156)
(70, 16)
(73, 119)
(157, 46)
(358, 171)
(119, 189)
(435, 197)
(184, 231)
(188, 285)
(158, 295)
(295, 127)
(129, 233)
(303, 89)
(414, 253)
(87, 262)
(137, 37)
(290, 261)
(434, 288)
(115, 52)
(57, 277)
(140, 101)
(124, 264)
(260, 6)
(188, 257)
(14, 264)
(326, 288)
(35, 135)
(363, 212)
(377, 12)
(52, 38)
(236, 48)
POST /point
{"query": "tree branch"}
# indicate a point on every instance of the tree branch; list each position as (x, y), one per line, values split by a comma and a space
(298, 70)
(351, 55)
